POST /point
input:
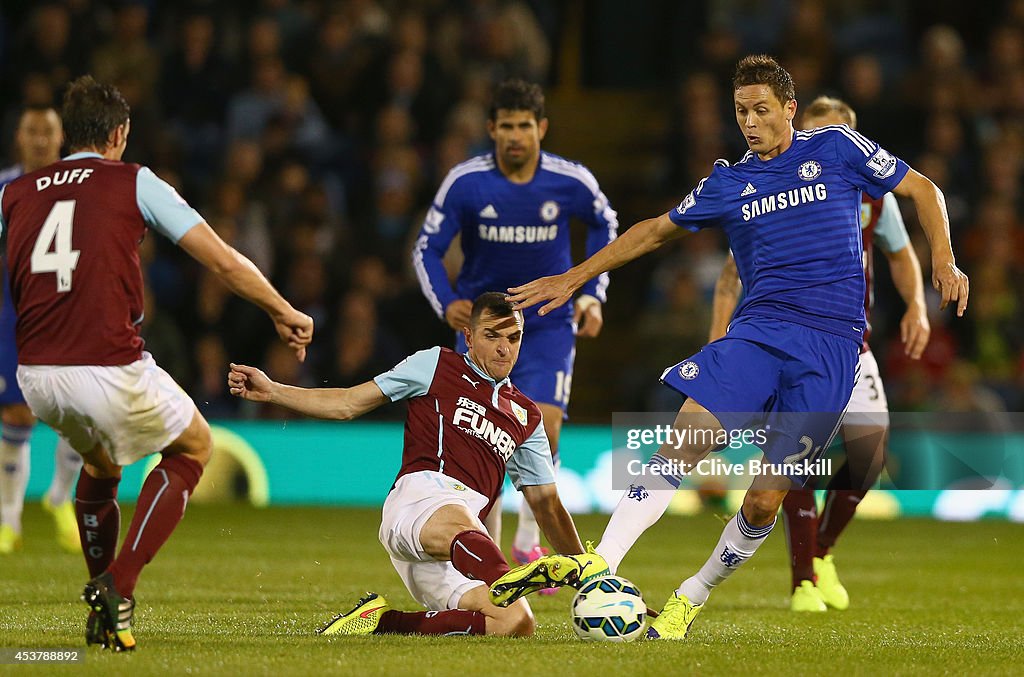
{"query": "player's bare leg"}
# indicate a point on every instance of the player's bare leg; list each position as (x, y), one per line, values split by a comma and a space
(14, 470)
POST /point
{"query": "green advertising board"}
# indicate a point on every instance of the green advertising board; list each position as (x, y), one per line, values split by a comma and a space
(321, 463)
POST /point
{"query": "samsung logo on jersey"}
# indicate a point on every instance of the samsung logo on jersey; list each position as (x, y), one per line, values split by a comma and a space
(787, 198)
(518, 234)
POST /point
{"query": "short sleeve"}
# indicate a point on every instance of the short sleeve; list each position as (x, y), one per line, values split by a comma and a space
(411, 377)
(530, 464)
(702, 207)
(162, 208)
(890, 232)
(868, 166)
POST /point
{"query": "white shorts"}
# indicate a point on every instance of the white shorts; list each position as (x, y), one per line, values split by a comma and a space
(435, 584)
(868, 406)
(133, 410)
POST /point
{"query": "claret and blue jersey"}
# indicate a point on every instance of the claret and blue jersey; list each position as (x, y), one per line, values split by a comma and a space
(793, 225)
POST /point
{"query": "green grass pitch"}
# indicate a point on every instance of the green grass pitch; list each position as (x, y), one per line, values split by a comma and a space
(239, 591)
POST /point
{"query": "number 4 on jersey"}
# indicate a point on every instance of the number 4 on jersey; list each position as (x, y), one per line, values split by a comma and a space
(56, 232)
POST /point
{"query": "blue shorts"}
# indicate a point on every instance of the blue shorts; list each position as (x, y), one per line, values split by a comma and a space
(792, 380)
(10, 393)
(544, 370)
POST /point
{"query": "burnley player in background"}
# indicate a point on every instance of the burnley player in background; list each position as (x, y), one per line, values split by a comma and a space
(512, 208)
(37, 140)
(816, 585)
(467, 425)
(72, 232)
(791, 210)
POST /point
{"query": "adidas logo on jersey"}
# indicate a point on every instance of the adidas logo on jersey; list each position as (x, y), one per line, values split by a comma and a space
(489, 212)
(749, 190)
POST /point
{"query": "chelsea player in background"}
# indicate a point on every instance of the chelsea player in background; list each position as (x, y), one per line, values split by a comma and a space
(791, 210)
(38, 140)
(512, 209)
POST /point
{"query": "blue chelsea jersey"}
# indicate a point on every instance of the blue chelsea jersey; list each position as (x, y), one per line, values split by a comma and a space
(793, 224)
(511, 233)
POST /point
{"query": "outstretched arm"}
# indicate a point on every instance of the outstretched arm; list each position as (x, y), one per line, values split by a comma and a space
(341, 404)
(949, 280)
(643, 237)
(243, 278)
(727, 295)
(553, 519)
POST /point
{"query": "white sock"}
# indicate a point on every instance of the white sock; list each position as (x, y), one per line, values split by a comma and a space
(14, 467)
(67, 465)
(738, 543)
(527, 532)
(639, 508)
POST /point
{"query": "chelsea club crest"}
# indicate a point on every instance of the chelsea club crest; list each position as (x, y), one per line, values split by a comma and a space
(688, 370)
(809, 170)
(549, 211)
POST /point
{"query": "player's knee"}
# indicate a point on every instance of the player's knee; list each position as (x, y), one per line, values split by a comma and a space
(515, 621)
(760, 507)
(196, 442)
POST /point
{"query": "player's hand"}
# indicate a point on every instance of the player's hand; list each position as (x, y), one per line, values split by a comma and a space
(249, 383)
(952, 283)
(588, 316)
(557, 289)
(296, 329)
(914, 331)
(457, 313)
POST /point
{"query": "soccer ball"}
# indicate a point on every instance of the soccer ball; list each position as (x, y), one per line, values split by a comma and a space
(608, 609)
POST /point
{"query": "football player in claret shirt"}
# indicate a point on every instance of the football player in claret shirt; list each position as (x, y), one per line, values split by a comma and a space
(511, 209)
(467, 425)
(816, 585)
(791, 210)
(38, 141)
(72, 231)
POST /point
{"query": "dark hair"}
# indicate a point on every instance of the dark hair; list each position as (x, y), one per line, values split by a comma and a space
(494, 302)
(761, 69)
(91, 112)
(825, 105)
(516, 94)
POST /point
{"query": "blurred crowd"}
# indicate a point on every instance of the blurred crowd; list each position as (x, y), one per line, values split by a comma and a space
(312, 134)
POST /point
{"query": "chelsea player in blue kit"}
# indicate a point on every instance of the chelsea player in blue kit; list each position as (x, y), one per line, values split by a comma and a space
(38, 140)
(790, 208)
(512, 209)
